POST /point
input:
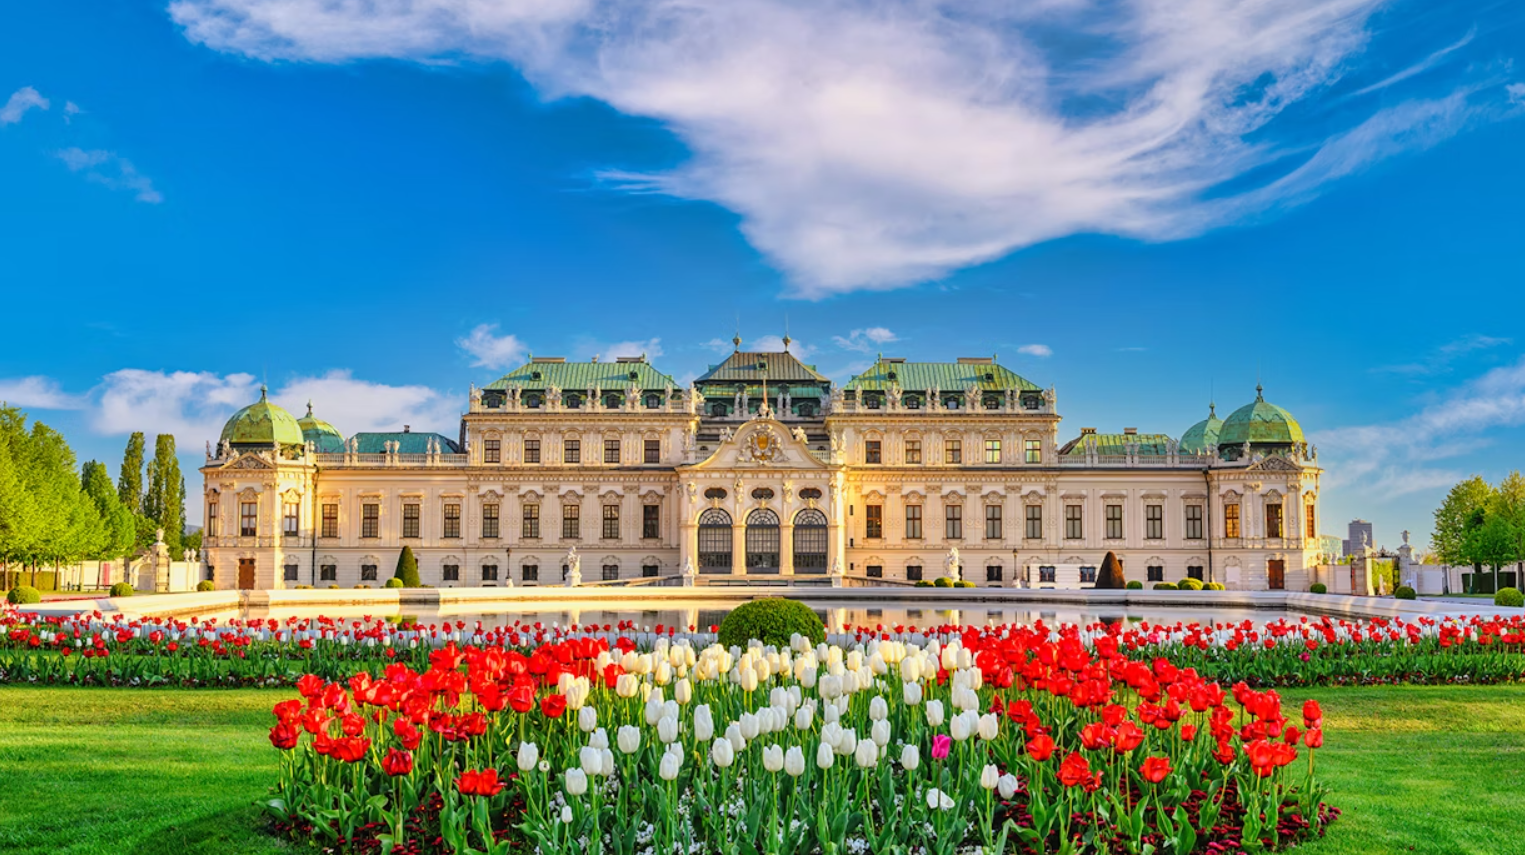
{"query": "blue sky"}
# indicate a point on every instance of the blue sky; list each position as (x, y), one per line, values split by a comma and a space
(1141, 203)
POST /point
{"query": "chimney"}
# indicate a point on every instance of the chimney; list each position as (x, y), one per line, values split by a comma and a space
(407, 428)
(1130, 431)
(1088, 431)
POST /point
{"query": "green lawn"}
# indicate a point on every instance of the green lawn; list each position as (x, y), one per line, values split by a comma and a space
(1416, 769)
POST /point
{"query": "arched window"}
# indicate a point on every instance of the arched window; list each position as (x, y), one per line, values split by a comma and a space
(809, 541)
(762, 541)
(714, 541)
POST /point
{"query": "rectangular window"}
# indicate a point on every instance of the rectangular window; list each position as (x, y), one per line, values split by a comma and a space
(913, 572)
(1312, 524)
(653, 451)
(532, 451)
(489, 572)
(452, 520)
(875, 571)
(1114, 522)
(648, 571)
(992, 572)
(1088, 575)
(248, 519)
(1034, 450)
(992, 451)
(291, 573)
(1048, 573)
(913, 452)
(953, 522)
(450, 572)
(1154, 521)
(368, 572)
(571, 520)
(871, 451)
(331, 520)
(1195, 572)
(1034, 522)
(531, 527)
(1231, 520)
(611, 522)
(531, 573)
(913, 522)
(611, 572)
(1155, 574)
(492, 450)
(992, 522)
(490, 521)
(1193, 522)
(953, 452)
(328, 572)
(612, 451)
(873, 521)
(571, 451)
(1073, 523)
(410, 520)
(651, 521)
(211, 519)
(1273, 519)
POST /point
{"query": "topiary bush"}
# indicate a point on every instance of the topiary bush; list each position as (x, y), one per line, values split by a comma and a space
(771, 620)
(23, 595)
(1111, 575)
(963, 583)
(121, 589)
(1165, 586)
(1404, 592)
(1135, 585)
(943, 582)
(1189, 584)
(407, 569)
(1510, 598)
(205, 585)
(1318, 588)
(394, 582)
(923, 583)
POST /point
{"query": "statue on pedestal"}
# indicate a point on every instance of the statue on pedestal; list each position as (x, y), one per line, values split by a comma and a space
(836, 574)
(689, 574)
(574, 568)
(953, 566)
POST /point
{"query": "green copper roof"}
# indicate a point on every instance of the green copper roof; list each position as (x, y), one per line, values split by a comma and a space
(1203, 435)
(946, 376)
(411, 443)
(1149, 444)
(779, 367)
(1260, 422)
(582, 376)
(324, 436)
(262, 423)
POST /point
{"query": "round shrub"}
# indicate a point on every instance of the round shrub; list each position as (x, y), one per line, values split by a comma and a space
(1214, 586)
(963, 583)
(304, 587)
(394, 582)
(1165, 586)
(1134, 585)
(923, 583)
(771, 620)
(1404, 592)
(1189, 584)
(333, 587)
(943, 582)
(22, 595)
(1318, 588)
(121, 589)
(205, 585)
(1510, 597)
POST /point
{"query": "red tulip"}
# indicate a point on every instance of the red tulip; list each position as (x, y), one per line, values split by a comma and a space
(1040, 747)
(310, 685)
(1155, 769)
(1076, 772)
(1313, 714)
(1188, 732)
(1129, 737)
(483, 783)
(351, 749)
(552, 706)
(1314, 738)
(521, 698)
(284, 736)
(397, 762)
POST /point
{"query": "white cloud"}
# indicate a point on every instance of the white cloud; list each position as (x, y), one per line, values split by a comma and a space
(1042, 351)
(870, 144)
(42, 393)
(23, 99)
(865, 340)
(192, 405)
(609, 351)
(110, 170)
(358, 406)
(1516, 93)
(490, 350)
(773, 344)
(1440, 360)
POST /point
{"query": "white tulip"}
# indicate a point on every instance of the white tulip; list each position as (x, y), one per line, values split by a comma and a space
(773, 758)
(910, 693)
(663, 673)
(704, 723)
(722, 753)
(880, 733)
(748, 680)
(959, 727)
(794, 761)
(831, 733)
(830, 687)
(878, 710)
(910, 669)
(910, 757)
(599, 739)
(847, 742)
(990, 726)
(629, 739)
(654, 708)
(587, 719)
(867, 754)
(937, 799)
(989, 777)
(529, 756)
(683, 691)
(627, 685)
(566, 814)
(824, 756)
(733, 735)
(803, 716)
(935, 713)
(831, 712)
(671, 763)
(607, 758)
(749, 726)
(1007, 786)
(590, 759)
(667, 729)
(577, 782)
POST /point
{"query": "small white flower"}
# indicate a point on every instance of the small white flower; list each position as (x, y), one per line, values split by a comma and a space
(1007, 786)
(566, 814)
(937, 799)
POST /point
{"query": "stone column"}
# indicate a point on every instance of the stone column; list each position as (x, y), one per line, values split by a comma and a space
(786, 546)
(738, 547)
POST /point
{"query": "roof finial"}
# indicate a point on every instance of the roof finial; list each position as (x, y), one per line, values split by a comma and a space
(309, 408)
(1259, 392)
(262, 391)
(736, 340)
(1212, 410)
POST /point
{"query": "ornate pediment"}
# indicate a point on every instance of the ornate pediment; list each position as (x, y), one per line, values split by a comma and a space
(761, 444)
(1274, 464)
(249, 461)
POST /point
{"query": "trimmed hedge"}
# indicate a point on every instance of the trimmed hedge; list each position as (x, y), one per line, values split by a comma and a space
(1510, 598)
(1214, 586)
(923, 583)
(942, 582)
(394, 582)
(1111, 575)
(122, 589)
(1135, 585)
(205, 585)
(1318, 588)
(771, 620)
(963, 583)
(1189, 584)
(22, 595)
(1404, 592)
(1165, 586)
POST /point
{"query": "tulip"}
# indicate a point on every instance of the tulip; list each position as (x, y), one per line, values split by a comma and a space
(722, 753)
(910, 669)
(734, 736)
(599, 739)
(590, 759)
(667, 729)
(1155, 769)
(749, 726)
(629, 739)
(606, 762)
(867, 754)
(704, 724)
(934, 713)
(990, 725)
(941, 745)
(1040, 747)
(587, 719)
(878, 710)
(824, 756)
(880, 733)
(773, 758)
(910, 757)
(989, 777)
(910, 693)
(794, 761)
(937, 799)
(847, 743)
(577, 782)
(672, 761)
(683, 692)
(566, 814)
(1007, 786)
(959, 727)
(528, 757)
(397, 762)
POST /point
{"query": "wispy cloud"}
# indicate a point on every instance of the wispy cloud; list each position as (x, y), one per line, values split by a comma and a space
(111, 170)
(357, 406)
(1516, 93)
(650, 348)
(865, 340)
(42, 393)
(1440, 359)
(490, 350)
(23, 99)
(192, 405)
(1042, 351)
(875, 143)
(1419, 67)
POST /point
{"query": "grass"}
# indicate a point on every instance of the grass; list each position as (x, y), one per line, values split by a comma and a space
(1424, 769)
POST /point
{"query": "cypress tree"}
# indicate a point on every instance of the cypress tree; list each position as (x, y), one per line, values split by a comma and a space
(407, 569)
(130, 480)
(1111, 575)
(164, 502)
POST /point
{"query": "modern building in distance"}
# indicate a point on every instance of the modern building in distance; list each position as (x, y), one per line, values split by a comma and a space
(1359, 535)
(761, 469)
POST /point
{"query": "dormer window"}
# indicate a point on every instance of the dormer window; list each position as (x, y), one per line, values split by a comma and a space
(532, 401)
(653, 401)
(890, 375)
(634, 375)
(534, 375)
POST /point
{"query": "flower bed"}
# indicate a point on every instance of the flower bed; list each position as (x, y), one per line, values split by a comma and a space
(996, 740)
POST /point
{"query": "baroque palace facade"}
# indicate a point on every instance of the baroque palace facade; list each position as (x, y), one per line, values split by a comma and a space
(761, 469)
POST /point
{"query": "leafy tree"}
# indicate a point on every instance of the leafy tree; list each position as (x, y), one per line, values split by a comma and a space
(1455, 519)
(118, 524)
(1508, 504)
(164, 503)
(407, 568)
(1491, 543)
(192, 541)
(16, 505)
(130, 479)
(1111, 574)
(66, 524)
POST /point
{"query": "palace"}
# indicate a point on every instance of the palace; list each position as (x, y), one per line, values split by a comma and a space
(761, 470)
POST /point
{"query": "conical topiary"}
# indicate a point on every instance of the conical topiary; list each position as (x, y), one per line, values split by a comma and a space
(1111, 575)
(407, 569)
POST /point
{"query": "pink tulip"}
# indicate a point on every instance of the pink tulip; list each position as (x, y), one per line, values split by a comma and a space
(941, 745)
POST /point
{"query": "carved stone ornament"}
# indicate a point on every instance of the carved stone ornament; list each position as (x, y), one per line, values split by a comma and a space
(763, 446)
(249, 461)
